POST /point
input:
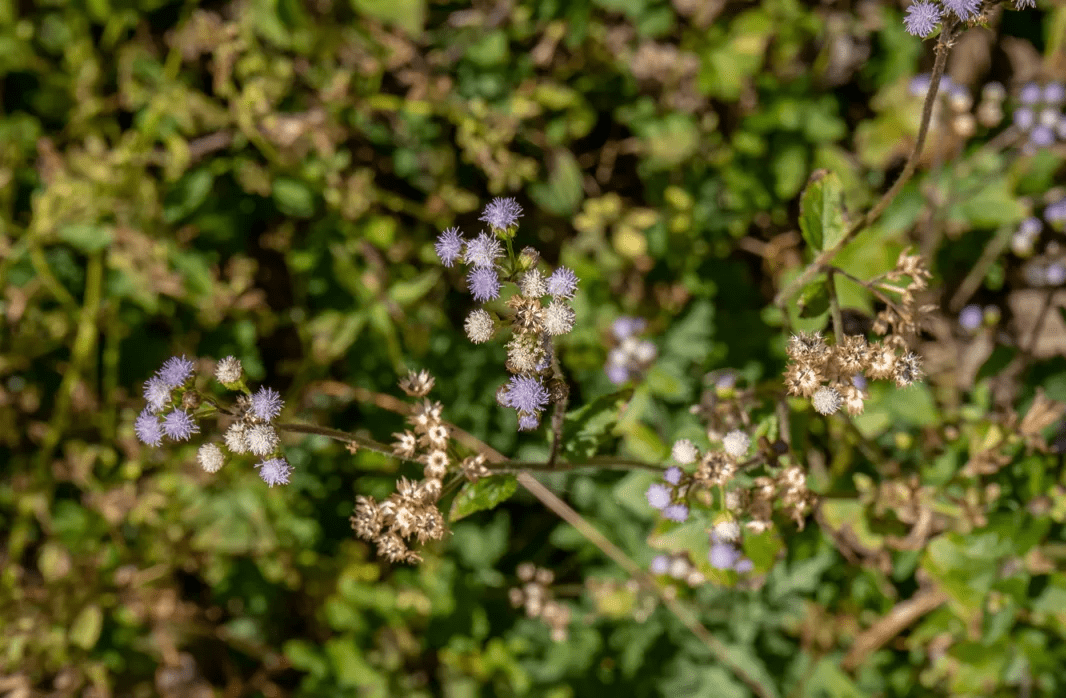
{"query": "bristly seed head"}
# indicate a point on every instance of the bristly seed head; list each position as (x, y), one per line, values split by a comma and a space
(417, 384)
(827, 401)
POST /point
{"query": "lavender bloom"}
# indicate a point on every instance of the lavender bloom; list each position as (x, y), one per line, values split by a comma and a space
(266, 404)
(148, 429)
(963, 9)
(922, 18)
(1030, 93)
(175, 371)
(676, 512)
(527, 394)
(1042, 137)
(1024, 118)
(744, 566)
(919, 84)
(1030, 227)
(156, 393)
(859, 381)
(673, 475)
(660, 564)
(1056, 212)
(624, 327)
(274, 471)
(528, 422)
(617, 373)
(658, 496)
(483, 251)
(501, 213)
(1054, 92)
(179, 426)
(1055, 274)
(723, 556)
(971, 317)
(449, 246)
(484, 284)
(562, 283)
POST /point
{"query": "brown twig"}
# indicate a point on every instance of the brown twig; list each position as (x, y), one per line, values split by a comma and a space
(943, 46)
(902, 614)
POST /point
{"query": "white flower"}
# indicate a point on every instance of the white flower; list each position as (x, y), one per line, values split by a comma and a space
(827, 401)
(229, 370)
(261, 439)
(559, 318)
(533, 284)
(479, 326)
(736, 443)
(235, 440)
(210, 457)
(684, 452)
(728, 531)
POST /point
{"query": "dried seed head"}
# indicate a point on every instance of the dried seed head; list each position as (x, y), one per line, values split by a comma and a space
(908, 370)
(882, 362)
(417, 384)
(528, 314)
(404, 445)
(366, 522)
(436, 465)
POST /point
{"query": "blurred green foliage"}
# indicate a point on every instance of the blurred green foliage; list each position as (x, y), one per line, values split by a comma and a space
(265, 179)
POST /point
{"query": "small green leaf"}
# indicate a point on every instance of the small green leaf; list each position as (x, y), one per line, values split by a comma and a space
(585, 428)
(483, 494)
(85, 630)
(86, 237)
(293, 197)
(814, 300)
(821, 216)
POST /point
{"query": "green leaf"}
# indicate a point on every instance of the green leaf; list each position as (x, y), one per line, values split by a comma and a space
(814, 300)
(483, 494)
(85, 630)
(585, 428)
(187, 195)
(86, 237)
(562, 193)
(293, 197)
(822, 211)
(408, 15)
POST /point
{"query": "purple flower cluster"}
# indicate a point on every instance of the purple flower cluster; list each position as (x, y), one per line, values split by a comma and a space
(167, 416)
(724, 555)
(661, 496)
(632, 356)
(529, 397)
(1039, 114)
(177, 424)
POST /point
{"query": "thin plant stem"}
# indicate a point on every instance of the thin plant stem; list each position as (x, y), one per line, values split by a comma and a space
(834, 306)
(943, 47)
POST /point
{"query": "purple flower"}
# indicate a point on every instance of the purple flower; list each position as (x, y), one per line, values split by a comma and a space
(266, 404)
(1056, 212)
(156, 394)
(175, 371)
(1030, 93)
(1054, 92)
(528, 422)
(676, 512)
(963, 9)
(1042, 136)
(484, 284)
(1024, 118)
(148, 429)
(744, 566)
(527, 394)
(1030, 227)
(673, 475)
(274, 471)
(483, 251)
(922, 18)
(617, 373)
(971, 317)
(179, 426)
(658, 495)
(660, 564)
(562, 283)
(624, 327)
(919, 84)
(1055, 274)
(449, 246)
(723, 556)
(501, 213)
(859, 381)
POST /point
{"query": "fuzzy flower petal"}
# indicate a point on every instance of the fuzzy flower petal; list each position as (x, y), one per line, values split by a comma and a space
(562, 283)
(922, 18)
(483, 251)
(673, 475)
(658, 496)
(501, 213)
(676, 512)
(449, 246)
(148, 429)
(963, 9)
(527, 394)
(275, 471)
(179, 426)
(484, 284)
(175, 371)
(156, 394)
(266, 404)
(723, 556)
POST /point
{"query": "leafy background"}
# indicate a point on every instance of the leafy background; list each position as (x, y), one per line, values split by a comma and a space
(265, 179)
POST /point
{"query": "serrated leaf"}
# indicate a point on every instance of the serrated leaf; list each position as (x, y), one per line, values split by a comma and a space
(821, 216)
(483, 494)
(814, 300)
(585, 428)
